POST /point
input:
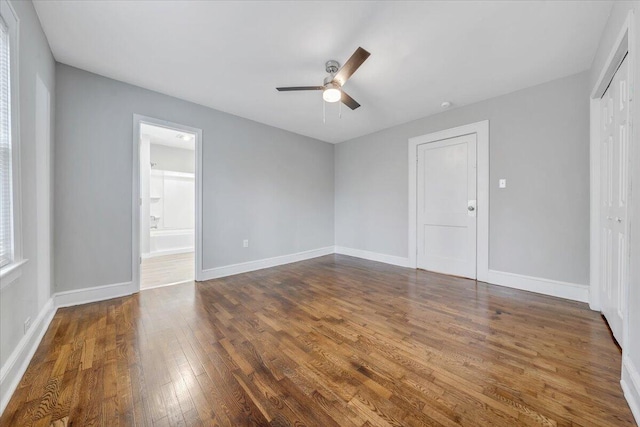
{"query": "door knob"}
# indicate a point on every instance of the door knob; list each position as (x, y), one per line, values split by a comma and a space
(618, 219)
(471, 208)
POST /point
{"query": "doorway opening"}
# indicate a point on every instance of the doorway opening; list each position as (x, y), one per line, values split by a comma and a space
(168, 203)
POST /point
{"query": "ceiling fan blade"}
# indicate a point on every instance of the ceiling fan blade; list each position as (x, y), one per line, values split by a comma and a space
(349, 101)
(350, 67)
(292, 88)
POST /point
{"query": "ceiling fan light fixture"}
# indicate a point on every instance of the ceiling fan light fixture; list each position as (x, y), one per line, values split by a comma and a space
(331, 93)
(332, 86)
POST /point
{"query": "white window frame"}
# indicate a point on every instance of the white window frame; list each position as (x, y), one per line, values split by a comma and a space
(8, 272)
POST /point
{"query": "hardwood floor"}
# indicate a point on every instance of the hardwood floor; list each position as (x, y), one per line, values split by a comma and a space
(167, 269)
(333, 341)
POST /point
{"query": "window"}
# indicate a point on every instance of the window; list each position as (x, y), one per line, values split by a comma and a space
(10, 251)
(6, 181)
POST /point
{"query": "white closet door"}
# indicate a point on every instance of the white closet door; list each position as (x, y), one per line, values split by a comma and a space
(614, 170)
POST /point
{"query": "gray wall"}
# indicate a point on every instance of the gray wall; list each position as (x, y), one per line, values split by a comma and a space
(20, 299)
(172, 158)
(260, 183)
(539, 142)
(614, 24)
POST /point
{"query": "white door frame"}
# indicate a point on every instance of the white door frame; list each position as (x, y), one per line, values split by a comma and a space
(481, 129)
(623, 45)
(136, 256)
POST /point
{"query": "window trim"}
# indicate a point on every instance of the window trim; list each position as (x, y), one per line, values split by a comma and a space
(10, 17)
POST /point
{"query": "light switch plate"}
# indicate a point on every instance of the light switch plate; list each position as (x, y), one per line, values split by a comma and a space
(502, 183)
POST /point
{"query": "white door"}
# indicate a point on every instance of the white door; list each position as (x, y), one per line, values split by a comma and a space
(614, 172)
(447, 206)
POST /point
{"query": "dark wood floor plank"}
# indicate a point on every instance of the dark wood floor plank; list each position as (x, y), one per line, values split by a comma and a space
(333, 341)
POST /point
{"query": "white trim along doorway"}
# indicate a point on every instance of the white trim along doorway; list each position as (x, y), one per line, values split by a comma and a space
(139, 120)
(481, 132)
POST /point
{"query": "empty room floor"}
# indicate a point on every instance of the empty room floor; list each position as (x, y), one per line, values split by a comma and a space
(333, 341)
(167, 269)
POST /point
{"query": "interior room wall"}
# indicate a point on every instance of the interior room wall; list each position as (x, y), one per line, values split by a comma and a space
(616, 20)
(25, 297)
(173, 158)
(539, 142)
(260, 183)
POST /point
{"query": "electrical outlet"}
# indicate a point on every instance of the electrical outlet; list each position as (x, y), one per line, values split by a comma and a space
(27, 324)
(245, 243)
(502, 183)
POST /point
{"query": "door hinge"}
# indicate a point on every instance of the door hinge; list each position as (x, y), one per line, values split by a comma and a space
(140, 260)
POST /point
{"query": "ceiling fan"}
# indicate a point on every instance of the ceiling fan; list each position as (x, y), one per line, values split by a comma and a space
(332, 87)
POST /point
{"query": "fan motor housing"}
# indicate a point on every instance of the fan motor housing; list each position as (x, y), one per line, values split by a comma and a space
(328, 80)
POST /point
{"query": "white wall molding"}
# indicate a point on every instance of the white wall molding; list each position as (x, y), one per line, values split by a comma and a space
(630, 383)
(12, 371)
(594, 204)
(373, 256)
(99, 293)
(571, 291)
(555, 288)
(244, 267)
(16, 365)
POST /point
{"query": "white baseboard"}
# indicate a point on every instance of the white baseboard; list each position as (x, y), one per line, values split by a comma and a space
(230, 270)
(630, 383)
(167, 252)
(373, 256)
(539, 285)
(16, 365)
(594, 302)
(99, 293)
(12, 371)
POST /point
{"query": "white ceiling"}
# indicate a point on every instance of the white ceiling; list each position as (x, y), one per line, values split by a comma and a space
(168, 137)
(231, 55)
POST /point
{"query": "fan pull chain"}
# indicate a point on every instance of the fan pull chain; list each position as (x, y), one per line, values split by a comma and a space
(324, 114)
(339, 110)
